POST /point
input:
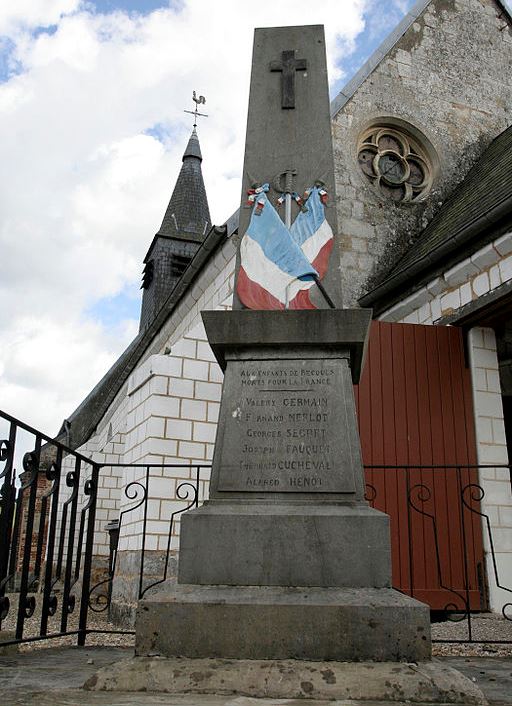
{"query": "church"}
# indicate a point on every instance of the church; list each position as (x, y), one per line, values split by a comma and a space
(422, 139)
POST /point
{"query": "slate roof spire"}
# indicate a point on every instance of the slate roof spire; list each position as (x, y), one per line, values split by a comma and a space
(185, 226)
(188, 215)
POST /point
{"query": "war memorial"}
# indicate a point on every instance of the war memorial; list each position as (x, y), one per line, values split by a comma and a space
(285, 572)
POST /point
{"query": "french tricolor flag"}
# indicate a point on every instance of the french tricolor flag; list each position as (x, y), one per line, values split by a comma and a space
(278, 266)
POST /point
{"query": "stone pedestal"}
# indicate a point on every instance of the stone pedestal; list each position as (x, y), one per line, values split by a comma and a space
(286, 559)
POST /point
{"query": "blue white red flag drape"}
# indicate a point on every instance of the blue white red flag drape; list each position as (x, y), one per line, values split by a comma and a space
(278, 266)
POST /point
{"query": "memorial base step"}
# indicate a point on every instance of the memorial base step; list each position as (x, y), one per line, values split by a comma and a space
(273, 622)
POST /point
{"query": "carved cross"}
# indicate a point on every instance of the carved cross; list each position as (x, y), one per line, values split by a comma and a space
(288, 66)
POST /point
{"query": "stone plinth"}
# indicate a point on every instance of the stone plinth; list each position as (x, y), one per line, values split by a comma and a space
(285, 545)
(286, 559)
(276, 622)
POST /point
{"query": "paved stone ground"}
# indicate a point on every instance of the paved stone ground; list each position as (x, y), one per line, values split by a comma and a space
(53, 677)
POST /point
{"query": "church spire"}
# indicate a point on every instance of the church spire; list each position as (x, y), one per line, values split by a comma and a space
(188, 215)
(184, 227)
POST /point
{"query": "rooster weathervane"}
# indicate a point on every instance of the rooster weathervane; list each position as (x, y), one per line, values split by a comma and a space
(195, 112)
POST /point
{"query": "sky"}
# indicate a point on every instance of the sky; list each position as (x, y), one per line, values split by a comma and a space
(92, 99)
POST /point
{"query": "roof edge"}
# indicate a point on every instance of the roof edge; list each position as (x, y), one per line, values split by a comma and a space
(138, 346)
(378, 55)
(384, 48)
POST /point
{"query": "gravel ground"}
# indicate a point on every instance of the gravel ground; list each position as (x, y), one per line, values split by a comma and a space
(96, 621)
(485, 626)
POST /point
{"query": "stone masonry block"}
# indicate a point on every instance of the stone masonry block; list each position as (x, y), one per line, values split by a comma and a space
(412, 318)
(213, 411)
(485, 358)
(480, 379)
(194, 409)
(450, 300)
(495, 276)
(191, 450)
(504, 244)
(178, 429)
(197, 332)
(492, 453)
(161, 487)
(208, 391)
(488, 404)
(360, 229)
(164, 365)
(489, 340)
(435, 308)
(155, 427)
(160, 447)
(494, 490)
(484, 430)
(493, 381)
(437, 286)
(157, 385)
(481, 284)
(195, 369)
(204, 351)
(395, 313)
(461, 272)
(476, 337)
(215, 373)
(204, 432)
(414, 301)
(466, 295)
(162, 406)
(185, 347)
(485, 257)
(498, 433)
(506, 269)
(181, 388)
(278, 623)
(505, 516)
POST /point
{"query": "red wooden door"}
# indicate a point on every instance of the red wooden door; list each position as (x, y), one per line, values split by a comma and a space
(415, 409)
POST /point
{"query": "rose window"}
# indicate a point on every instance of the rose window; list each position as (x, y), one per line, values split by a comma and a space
(395, 163)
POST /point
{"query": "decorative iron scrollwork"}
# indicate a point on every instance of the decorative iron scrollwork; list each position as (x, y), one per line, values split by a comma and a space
(70, 607)
(5, 605)
(29, 606)
(370, 492)
(5, 447)
(30, 465)
(99, 603)
(53, 472)
(476, 493)
(52, 604)
(5, 454)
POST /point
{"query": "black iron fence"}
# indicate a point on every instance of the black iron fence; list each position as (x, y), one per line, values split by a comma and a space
(443, 545)
(46, 548)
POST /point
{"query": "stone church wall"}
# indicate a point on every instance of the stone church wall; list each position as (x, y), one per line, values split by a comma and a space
(443, 82)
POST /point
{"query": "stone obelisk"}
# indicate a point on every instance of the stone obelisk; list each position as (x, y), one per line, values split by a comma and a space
(286, 559)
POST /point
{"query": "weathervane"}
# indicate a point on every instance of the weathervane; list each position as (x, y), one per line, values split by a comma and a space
(195, 112)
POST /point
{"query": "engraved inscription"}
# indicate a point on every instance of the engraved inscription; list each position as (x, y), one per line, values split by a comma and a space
(285, 436)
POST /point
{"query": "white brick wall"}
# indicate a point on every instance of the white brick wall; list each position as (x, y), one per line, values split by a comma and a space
(173, 402)
(475, 276)
(491, 448)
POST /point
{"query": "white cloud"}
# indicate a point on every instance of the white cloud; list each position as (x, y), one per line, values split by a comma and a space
(32, 13)
(83, 188)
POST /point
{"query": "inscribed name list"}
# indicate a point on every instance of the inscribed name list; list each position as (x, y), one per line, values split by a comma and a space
(285, 428)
